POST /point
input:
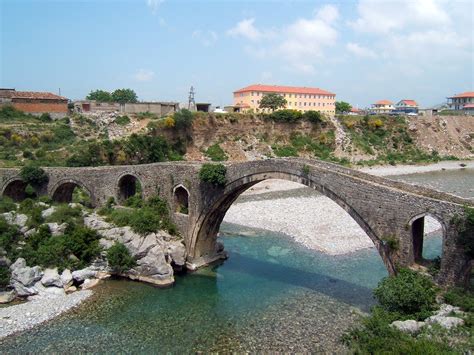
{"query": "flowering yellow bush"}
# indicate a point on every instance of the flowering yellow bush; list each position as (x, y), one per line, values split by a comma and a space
(169, 122)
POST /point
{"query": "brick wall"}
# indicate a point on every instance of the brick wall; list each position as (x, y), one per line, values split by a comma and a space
(33, 107)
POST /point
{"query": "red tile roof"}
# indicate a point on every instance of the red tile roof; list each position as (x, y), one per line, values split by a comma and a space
(410, 102)
(464, 94)
(284, 89)
(13, 94)
(384, 102)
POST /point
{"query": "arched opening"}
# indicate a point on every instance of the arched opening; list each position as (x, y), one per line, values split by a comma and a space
(16, 190)
(203, 239)
(129, 187)
(427, 237)
(71, 191)
(181, 197)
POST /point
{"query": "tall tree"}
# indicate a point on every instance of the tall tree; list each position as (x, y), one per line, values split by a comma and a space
(99, 95)
(342, 107)
(124, 96)
(272, 101)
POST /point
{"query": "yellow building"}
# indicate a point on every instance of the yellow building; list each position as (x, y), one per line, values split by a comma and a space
(297, 98)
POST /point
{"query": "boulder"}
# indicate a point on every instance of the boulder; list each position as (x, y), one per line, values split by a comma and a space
(89, 283)
(49, 292)
(147, 243)
(22, 290)
(57, 229)
(154, 264)
(16, 218)
(445, 322)
(20, 263)
(106, 243)
(66, 278)
(408, 326)
(42, 204)
(71, 289)
(7, 296)
(120, 234)
(51, 278)
(48, 212)
(447, 309)
(177, 251)
(81, 275)
(94, 221)
(30, 232)
(27, 276)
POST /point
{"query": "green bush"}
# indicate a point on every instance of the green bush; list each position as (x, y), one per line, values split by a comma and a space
(466, 234)
(66, 214)
(289, 116)
(285, 151)
(183, 119)
(407, 293)
(313, 116)
(214, 174)
(7, 204)
(45, 117)
(4, 277)
(119, 258)
(8, 235)
(216, 153)
(460, 298)
(122, 120)
(34, 175)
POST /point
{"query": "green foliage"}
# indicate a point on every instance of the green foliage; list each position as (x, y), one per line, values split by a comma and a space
(289, 116)
(466, 232)
(392, 242)
(122, 120)
(119, 258)
(124, 96)
(183, 119)
(34, 175)
(343, 107)
(45, 117)
(6, 204)
(216, 153)
(4, 277)
(306, 169)
(63, 133)
(100, 95)
(214, 174)
(79, 195)
(313, 116)
(8, 235)
(285, 151)
(8, 114)
(407, 293)
(460, 298)
(66, 214)
(272, 101)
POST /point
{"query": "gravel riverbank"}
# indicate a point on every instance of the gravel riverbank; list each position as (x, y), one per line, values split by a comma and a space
(20, 317)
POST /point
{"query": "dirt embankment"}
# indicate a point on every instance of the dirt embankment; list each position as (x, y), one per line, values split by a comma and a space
(449, 135)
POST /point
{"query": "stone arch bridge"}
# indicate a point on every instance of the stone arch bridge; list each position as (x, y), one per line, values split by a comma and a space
(390, 212)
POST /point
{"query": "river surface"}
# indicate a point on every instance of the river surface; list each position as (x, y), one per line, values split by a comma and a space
(270, 295)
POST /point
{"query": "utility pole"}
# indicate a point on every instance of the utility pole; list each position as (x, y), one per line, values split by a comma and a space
(191, 102)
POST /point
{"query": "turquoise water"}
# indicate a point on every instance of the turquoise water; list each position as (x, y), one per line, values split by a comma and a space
(270, 295)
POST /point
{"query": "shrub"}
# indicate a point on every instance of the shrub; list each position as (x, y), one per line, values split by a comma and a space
(169, 122)
(216, 153)
(466, 233)
(313, 116)
(289, 116)
(285, 151)
(45, 117)
(66, 214)
(4, 277)
(460, 298)
(119, 258)
(408, 293)
(214, 174)
(34, 175)
(8, 235)
(122, 120)
(7, 205)
(183, 119)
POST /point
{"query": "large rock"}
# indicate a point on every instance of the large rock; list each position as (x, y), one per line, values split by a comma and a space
(7, 296)
(49, 292)
(51, 278)
(66, 278)
(94, 221)
(22, 290)
(20, 263)
(154, 264)
(16, 218)
(445, 322)
(81, 275)
(120, 234)
(447, 309)
(106, 243)
(145, 244)
(48, 212)
(27, 276)
(177, 252)
(57, 229)
(408, 326)
(89, 283)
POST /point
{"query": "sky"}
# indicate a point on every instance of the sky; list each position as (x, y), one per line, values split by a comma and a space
(361, 50)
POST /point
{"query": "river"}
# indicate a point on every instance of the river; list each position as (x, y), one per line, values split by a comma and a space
(270, 295)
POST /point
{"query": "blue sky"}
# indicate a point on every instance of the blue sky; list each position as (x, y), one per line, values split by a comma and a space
(362, 50)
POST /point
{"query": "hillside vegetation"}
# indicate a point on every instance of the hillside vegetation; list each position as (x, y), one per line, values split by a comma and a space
(114, 139)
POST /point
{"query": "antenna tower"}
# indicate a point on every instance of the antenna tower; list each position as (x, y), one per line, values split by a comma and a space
(191, 102)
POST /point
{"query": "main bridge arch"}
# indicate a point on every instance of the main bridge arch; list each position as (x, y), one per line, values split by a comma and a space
(203, 245)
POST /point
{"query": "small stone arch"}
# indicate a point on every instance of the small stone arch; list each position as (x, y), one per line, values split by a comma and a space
(15, 189)
(63, 191)
(181, 199)
(202, 238)
(417, 233)
(128, 185)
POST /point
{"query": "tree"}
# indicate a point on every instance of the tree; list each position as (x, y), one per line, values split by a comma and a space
(124, 96)
(272, 101)
(99, 95)
(342, 107)
(215, 174)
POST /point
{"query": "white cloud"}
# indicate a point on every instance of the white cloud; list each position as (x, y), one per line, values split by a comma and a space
(299, 44)
(144, 75)
(360, 51)
(154, 5)
(375, 16)
(207, 38)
